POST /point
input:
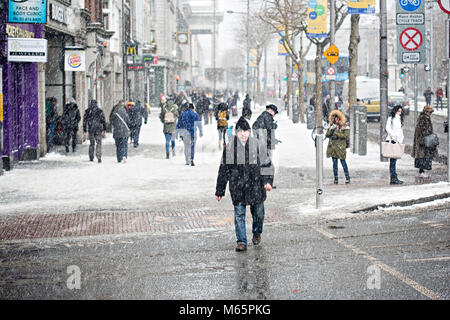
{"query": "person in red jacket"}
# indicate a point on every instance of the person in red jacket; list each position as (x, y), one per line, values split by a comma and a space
(439, 95)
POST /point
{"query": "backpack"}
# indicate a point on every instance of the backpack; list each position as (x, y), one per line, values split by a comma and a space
(169, 117)
(222, 118)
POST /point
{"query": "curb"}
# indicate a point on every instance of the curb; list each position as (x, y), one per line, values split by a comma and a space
(406, 203)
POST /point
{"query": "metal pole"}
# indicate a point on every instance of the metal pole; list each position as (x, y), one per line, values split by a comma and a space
(265, 61)
(214, 48)
(383, 73)
(431, 48)
(248, 47)
(415, 94)
(332, 40)
(448, 89)
(319, 171)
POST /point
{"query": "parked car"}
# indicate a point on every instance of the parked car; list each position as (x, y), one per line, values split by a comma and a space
(398, 98)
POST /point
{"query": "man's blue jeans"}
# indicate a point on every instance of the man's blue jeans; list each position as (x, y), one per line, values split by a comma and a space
(169, 140)
(257, 211)
(392, 168)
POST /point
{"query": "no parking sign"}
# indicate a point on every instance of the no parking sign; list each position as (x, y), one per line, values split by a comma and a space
(410, 19)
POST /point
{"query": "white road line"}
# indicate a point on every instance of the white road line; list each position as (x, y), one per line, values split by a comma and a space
(429, 259)
(430, 294)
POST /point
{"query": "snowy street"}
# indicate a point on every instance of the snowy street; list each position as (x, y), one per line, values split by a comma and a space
(60, 183)
(151, 228)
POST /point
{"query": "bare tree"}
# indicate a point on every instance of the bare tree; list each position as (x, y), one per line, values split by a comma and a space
(258, 38)
(340, 15)
(353, 59)
(290, 17)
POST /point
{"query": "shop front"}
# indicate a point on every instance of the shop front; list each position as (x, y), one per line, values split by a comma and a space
(21, 49)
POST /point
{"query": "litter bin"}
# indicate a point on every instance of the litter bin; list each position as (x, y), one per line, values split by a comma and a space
(358, 122)
(310, 117)
(295, 113)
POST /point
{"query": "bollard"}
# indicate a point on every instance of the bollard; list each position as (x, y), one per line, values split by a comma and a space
(310, 117)
(295, 113)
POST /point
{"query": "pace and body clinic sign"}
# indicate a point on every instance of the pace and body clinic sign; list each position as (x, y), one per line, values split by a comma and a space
(27, 11)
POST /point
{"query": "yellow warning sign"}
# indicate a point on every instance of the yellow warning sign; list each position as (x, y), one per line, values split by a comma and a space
(332, 54)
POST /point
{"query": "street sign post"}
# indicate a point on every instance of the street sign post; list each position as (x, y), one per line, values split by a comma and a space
(410, 19)
(444, 5)
(332, 54)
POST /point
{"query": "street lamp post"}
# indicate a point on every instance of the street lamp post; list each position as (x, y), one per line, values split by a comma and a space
(248, 41)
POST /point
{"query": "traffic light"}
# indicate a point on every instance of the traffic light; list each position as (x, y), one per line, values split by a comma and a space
(402, 73)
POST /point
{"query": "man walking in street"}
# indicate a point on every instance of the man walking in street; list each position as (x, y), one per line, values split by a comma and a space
(168, 116)
(428, 95)
(136, 113)
(187, 126)
(248, 171)
(264, 127)
(439, 95)
(121, 103)
(70, 120)
(94, 123)
(50, 120)
(120, 123)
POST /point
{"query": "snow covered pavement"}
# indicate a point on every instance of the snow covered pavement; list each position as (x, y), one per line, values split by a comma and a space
(63, 184)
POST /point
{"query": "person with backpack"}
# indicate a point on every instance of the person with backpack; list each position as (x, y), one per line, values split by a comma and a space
(120, 123)
(70, 120)
(338, 132)
(168, 116)
(94, 123)
(222, 116)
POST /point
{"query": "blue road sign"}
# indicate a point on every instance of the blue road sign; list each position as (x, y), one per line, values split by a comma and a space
(410, 5)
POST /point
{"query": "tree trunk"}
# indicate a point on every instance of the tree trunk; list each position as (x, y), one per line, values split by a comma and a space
(288, 83)
(353, 59)
(301, 89)
(318, 88)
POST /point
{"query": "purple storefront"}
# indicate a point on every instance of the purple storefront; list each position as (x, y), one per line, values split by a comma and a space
(19, 139)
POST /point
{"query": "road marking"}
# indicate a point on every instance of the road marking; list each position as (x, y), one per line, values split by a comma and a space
(434, 224)
(430, 294)
(429, 259)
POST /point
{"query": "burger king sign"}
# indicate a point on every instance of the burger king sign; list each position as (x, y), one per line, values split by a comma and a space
(75, 60)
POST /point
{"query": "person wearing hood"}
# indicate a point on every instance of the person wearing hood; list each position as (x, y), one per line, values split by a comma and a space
(338, 132)
(70, 120)
(136, 113)
(423, 155)
(120, 123)
(168, 116)
(249, 173)
(94, 123)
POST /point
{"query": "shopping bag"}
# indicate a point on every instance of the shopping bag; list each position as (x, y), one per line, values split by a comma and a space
(392, 150)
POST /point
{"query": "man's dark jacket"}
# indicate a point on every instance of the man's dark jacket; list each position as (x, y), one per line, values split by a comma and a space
(94, 119)
(245, 171)
(264, 128)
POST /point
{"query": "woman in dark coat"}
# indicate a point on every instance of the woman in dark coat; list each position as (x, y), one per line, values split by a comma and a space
(247, 168)
(423, 156)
